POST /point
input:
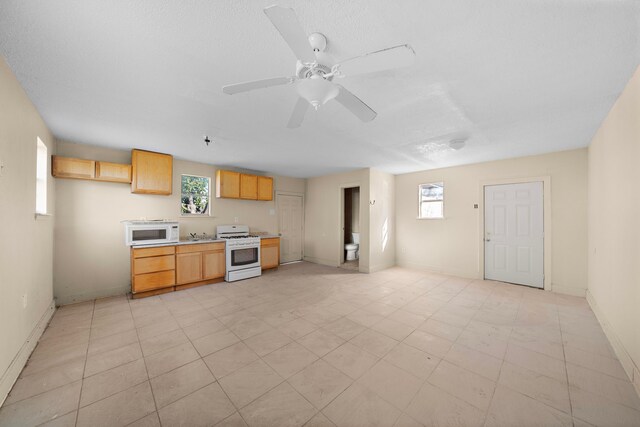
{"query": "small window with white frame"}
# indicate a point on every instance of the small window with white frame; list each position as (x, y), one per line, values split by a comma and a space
(195, 195)
(41, 177)
(431, 200)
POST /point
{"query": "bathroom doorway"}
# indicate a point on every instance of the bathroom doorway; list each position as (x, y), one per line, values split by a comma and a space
(349, 258)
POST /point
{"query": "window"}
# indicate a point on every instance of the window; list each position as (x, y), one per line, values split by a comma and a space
(431, 200)
(195, 196)
(41, 177)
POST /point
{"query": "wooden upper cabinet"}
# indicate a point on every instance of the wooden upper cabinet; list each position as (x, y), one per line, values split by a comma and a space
(227, 184)
(265, 188)
(113, 172)
(236, 185)
(248, 187)
(67, 167)
(152, 173)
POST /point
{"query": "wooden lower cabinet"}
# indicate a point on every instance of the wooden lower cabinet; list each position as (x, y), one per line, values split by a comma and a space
(153, 270)
(213, 264)
(189, 268)
(168, 268)
(270, 253)
(200, 264)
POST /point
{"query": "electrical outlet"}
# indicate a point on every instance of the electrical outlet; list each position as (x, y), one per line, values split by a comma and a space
(24, 301)
(404, 250)
(272, 211)
(235, 219)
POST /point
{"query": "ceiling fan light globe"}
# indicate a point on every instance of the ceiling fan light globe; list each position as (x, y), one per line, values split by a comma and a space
(317, 91)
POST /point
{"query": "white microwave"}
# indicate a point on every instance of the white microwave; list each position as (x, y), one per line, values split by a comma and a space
(140, 233)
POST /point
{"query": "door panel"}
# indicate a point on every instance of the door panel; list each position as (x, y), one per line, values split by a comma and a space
(514, 233)
(189, 267)
(290, 220)
(213, 264)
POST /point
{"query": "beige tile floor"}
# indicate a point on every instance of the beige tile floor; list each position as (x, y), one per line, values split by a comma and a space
(318, 346)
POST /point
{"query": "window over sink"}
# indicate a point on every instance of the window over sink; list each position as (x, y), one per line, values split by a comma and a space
(195, 195)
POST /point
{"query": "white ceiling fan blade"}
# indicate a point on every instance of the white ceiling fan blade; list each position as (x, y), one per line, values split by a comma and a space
(257, 84)
(355, 105)
(286, 22)
(385, 59)
(297, 116)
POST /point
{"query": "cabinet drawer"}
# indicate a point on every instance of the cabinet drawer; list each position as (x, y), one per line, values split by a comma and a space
(154, 264)
(149, 281)
(161, 250)
(270, 242)
(199, 247)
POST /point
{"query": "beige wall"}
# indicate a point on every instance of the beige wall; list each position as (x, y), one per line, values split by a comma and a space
(26, 242)
(614, 227)
(382, 221)
(89, 238)
(323, 217)
(452, 245)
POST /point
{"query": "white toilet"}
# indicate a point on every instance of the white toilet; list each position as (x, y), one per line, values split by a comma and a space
(352, 248)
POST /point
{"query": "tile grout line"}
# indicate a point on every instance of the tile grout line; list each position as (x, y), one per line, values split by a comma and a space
(86, 357)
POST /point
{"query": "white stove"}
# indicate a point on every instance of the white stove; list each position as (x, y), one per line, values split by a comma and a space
(242, 252)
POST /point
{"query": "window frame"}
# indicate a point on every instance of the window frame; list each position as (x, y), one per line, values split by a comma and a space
(207, 213)
(42, 172)
(420, 201)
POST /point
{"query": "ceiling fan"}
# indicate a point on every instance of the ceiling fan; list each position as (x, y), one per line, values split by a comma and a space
(316, 70)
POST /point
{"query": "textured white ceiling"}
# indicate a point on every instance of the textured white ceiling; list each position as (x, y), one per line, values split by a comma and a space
(516, 77)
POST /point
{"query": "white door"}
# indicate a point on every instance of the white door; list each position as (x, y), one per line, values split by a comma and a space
(514, 233)
(290, 219)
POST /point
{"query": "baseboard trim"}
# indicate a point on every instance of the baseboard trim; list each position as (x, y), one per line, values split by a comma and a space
(568, 290)
(12, 373)
(380, 267)
(89, 296)
(439, 270)
(630, 368)
(321, 261)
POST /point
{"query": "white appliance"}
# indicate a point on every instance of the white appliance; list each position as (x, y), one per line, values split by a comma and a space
(352, 248)
(140, 233)
(242, 252)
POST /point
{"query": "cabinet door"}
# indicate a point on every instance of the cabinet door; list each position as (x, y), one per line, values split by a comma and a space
(188, 267)
(269, 253)
(265, 188)
(248, 187)
(152, 173)
(113, 172)
(66, 167)
(213, 264)
(227, 184)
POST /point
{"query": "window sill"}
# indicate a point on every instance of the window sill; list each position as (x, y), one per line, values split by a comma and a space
(37, 216)
(430, 219)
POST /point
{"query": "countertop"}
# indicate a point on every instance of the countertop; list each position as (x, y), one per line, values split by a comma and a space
(195, 242)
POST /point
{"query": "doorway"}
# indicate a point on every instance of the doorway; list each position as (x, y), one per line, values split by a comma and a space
(514, 233)
(350, 255)
(291, 225)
